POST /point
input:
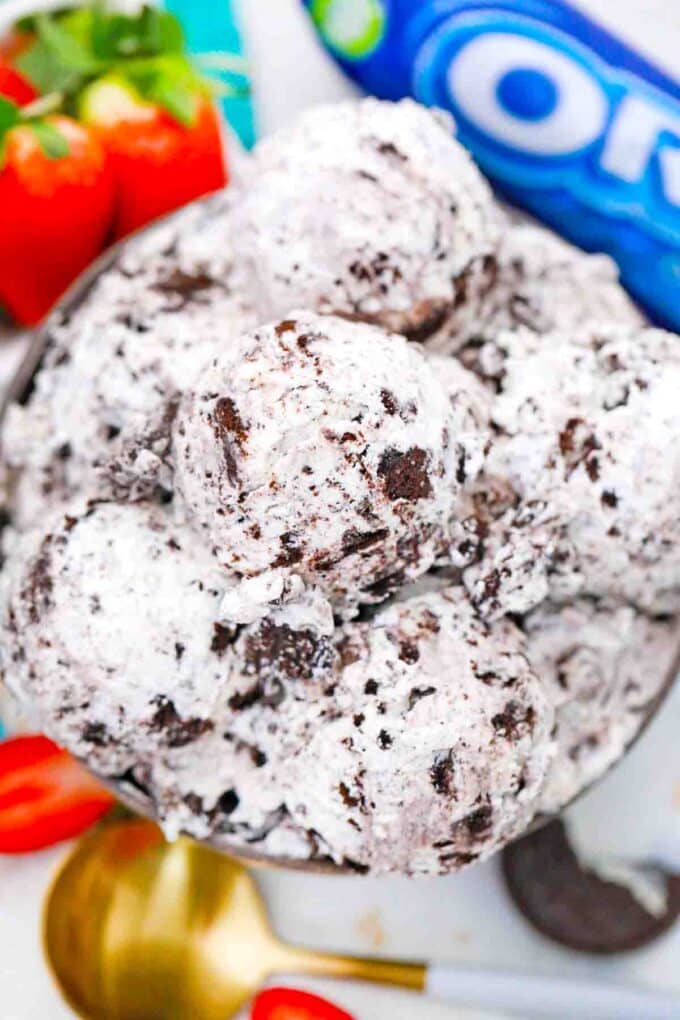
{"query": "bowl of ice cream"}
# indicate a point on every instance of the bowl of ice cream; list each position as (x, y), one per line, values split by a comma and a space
(343, 526)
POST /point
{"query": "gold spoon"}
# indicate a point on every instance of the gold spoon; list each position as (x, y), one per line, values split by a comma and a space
(139, 929)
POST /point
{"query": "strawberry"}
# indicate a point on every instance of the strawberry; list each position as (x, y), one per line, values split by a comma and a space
(56, 208)
(289, 1004)
(14, 86)
(129, 80)
(164, 153)
(45, 795)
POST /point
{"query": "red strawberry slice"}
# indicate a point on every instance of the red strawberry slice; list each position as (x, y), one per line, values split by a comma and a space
(290, 1004)
(45, 795)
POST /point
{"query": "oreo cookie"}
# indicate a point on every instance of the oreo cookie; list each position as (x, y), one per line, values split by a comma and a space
(574, 906)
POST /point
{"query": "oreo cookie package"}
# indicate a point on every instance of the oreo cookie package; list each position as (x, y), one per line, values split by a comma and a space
(568, 121)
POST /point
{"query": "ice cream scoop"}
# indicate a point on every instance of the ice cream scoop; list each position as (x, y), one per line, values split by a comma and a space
(109, 633)
(586, 436)
(372, 211)
(603, 666)
(540, 282)
(316, 451)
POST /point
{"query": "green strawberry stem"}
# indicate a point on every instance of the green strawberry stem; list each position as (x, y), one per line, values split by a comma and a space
(43, 105)
(75, 47)
(50, 138)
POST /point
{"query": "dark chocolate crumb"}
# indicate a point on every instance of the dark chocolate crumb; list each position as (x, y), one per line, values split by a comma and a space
(384, 740)
(442, 774)
(287, 326)
(427, 318)
(389, 402)
(194, 803)
(354, 541)
(457, 860)
(405, 475)
(390, 149)
(178, 732)
(417, 694)
(97, 734)
(409, 652)
(38, 590)
(348, 799)
(185, 285)
(228, 802)
(228, 420)
(223, 637)
(291, 550)
(277, 650)
(385, 586)
(513, 722)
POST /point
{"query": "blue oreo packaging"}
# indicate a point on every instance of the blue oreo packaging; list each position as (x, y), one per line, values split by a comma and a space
(566, 120)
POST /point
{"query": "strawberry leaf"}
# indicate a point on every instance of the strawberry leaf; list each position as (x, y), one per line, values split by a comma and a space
(152, 32)
(68, 50)
(9, 114)
(41, 66)
(51, 140)
(78, 21)
(163, 32)
(60, 58)
(75, 47)
(177, 98)
(170, 82)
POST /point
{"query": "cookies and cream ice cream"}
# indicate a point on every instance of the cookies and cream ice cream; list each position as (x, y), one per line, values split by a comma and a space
(117, 363)
(418, 741)
(587, 425)
(538, 281)
(110, 632)
(323, 452)
(442, 733)
(369, 210)
(343, 511)
(603, 667)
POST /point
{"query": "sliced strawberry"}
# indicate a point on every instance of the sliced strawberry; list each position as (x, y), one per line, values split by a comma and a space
(159, 161)
(45, 795)
(14, 86)
(56, 209)
(290, 1004)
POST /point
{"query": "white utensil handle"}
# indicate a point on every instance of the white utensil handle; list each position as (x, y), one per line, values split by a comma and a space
(549, 997)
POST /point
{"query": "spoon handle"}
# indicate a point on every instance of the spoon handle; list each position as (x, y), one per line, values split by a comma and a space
(354, 968)
(551, 998)
(548, 997)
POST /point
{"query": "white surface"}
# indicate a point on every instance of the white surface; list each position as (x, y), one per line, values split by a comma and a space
(468, 918)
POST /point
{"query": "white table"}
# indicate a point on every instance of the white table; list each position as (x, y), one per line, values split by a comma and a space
(466, 918)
